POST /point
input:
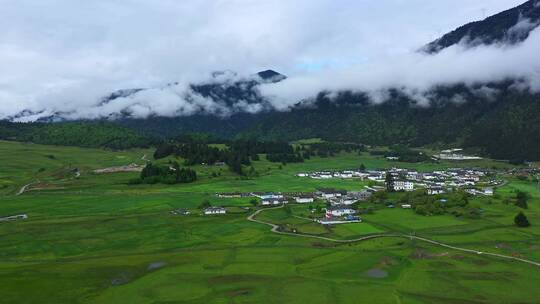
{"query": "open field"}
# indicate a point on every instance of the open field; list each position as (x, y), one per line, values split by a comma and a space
(94, 239)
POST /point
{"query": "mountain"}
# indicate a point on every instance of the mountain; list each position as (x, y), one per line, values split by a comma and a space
(271, 76)
(226, 92)
(502, 124)
(497, 119)
(224, 86)
(509, 27)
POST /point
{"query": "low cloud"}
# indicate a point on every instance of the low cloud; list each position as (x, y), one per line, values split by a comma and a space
(65, 62)
(416, 73)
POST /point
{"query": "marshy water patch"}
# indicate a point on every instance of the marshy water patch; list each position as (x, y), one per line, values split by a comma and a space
(156, 265)
(376, 273)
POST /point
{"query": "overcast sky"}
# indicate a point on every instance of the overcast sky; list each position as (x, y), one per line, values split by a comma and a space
(62, 53)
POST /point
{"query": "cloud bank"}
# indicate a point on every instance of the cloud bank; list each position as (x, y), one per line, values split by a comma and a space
(416, 73)
(70, 58)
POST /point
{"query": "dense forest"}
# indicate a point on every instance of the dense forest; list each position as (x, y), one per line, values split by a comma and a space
(235, 154)
(82, 134)
(504, 126)
(165, 174)
(403, 154)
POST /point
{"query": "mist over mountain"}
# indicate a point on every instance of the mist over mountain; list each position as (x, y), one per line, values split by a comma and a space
(476, 86)
(509, 27)
(223, 94)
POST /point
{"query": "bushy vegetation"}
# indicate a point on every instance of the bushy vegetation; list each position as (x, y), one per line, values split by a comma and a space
(328, 149)
(285, 158)
(237, 154)
(407, 155)
(456, 203)
(521, 199)
(80, 134)
(170, 174)
(521, 220)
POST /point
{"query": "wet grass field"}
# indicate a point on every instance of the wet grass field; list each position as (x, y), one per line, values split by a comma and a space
(94, 239)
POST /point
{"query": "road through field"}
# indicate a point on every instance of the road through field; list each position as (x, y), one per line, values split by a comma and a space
(275, 229)
(145, 159)
(23, 188)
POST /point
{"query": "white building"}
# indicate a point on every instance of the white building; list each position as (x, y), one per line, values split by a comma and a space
(339, 211)
(269, 196)
(273, 201)
(435, 190)
(413, 175)
(455, 154)
(304, 199)
(329, 193)
(360, 196)
(337, 221)
(403, 185)
(214, 210)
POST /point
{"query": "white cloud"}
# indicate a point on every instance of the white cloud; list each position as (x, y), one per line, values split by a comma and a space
(416, 73)
(61, 55)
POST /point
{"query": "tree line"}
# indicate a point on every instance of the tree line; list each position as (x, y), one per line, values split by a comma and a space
(236, 154)
(80, 134)
(165, 174)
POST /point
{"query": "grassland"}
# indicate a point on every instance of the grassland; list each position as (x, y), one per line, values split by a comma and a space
(94, 239)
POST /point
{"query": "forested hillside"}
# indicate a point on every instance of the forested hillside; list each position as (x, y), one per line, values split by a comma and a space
(502, 124)
(509, 27)
(506, 126)
(82, 134)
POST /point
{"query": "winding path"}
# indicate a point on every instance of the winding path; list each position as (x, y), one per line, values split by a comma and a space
(25, 187)
(275, 229)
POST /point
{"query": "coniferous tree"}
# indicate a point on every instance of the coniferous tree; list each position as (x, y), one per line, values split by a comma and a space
(522, 199)
(521, 220)
(389, 182)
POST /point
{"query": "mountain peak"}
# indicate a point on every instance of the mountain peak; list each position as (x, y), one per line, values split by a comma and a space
(271, 76)
(509, 27)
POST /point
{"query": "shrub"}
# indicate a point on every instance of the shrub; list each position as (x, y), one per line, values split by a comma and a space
(521, 220)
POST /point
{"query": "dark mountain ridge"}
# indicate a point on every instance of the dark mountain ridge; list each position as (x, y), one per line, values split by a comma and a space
(509, 27)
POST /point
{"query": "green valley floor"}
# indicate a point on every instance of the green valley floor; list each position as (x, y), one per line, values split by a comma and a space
(92, 238)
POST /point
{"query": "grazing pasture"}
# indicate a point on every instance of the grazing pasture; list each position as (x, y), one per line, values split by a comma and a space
(95, 239)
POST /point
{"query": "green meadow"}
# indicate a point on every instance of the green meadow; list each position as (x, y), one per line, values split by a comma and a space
(95, 239)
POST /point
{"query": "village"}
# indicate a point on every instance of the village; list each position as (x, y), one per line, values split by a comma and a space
(339, 203)
(434, 182)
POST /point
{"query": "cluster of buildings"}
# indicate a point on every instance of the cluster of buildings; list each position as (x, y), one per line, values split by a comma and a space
(442, 181)
(329, 174)
(435, 182)
(340, 202)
